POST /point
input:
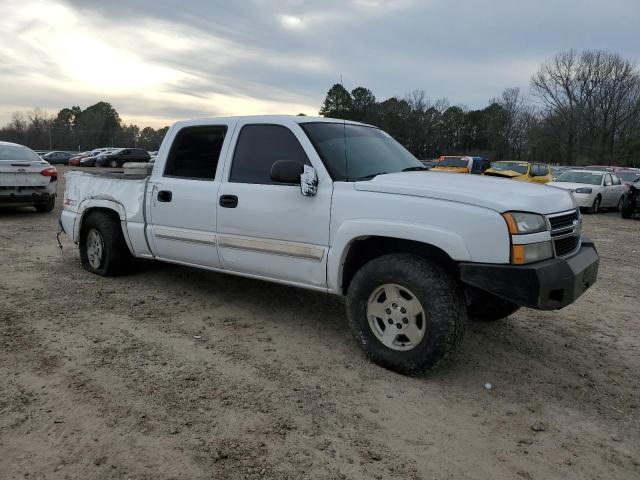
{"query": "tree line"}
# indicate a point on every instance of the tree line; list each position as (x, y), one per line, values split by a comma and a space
(73, 128)
(584, 108)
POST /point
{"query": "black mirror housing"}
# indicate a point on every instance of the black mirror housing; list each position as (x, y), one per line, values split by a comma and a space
(287, 171)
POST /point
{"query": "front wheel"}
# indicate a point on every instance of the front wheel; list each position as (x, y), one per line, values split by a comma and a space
(103, 250)
(626, 210)
(113, 164)
(407, 314)
(595, 207)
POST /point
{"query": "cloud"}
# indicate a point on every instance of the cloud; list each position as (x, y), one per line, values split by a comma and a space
(160, 61)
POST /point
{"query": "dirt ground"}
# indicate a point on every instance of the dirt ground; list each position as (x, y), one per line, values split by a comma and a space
(176, 373)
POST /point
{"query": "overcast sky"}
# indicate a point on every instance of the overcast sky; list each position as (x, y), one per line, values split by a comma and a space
(159, 61)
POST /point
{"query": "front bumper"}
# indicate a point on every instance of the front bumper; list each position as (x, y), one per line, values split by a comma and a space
(584, 200)
(548, 285)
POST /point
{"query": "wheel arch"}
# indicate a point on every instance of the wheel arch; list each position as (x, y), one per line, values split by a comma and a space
(109, 207)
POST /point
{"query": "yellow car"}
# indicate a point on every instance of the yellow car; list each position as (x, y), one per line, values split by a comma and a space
(523, 171)
(457, 164)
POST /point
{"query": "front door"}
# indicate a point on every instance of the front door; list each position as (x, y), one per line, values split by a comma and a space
(266, 228)
(183, 198)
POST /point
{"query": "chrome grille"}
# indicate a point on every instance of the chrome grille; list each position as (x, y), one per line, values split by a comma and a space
(565, 232)
(566, 245)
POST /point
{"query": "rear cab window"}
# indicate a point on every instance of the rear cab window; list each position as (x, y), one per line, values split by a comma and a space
(195, 152)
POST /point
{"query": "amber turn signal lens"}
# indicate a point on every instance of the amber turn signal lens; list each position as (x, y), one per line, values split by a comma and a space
(511, 223)
(517, 254)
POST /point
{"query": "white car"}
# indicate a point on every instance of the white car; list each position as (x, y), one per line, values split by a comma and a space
(592, 189)
(26, 179)
(339, 207)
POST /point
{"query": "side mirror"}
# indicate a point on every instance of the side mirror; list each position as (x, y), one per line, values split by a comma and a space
(286, 171)
(309, 181)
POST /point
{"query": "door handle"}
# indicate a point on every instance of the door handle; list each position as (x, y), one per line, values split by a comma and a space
(164, 196)
(228, 201)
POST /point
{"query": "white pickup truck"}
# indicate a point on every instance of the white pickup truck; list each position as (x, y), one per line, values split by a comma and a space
(342, 208)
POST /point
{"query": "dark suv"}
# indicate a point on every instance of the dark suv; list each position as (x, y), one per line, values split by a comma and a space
(122, 156)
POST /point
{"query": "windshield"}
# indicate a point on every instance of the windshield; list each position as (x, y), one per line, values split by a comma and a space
(581, 176)
(514, 166)
(453, 162)
(352, 152)
(16, 152)
(628, 176)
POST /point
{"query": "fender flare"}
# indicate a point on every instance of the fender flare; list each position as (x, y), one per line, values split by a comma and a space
(447, 241)
(102, 203)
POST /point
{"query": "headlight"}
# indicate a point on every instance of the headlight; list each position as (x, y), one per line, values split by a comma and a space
(521, 223)
(533, 252)
(583, 190)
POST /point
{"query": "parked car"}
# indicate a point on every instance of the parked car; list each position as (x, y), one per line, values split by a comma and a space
(119, 157)
(89, 161)
(457, 164)
(75, 161)
(26, 179)
(631, 202)
(57, 157)
(628, 176)
(592, 189)
(522, 171)
(302, 201)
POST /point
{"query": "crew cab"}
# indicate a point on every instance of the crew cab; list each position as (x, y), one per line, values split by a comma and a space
(339, 207)
(26, 179)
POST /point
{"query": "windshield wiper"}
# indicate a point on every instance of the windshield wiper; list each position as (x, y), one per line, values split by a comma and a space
(414, 169)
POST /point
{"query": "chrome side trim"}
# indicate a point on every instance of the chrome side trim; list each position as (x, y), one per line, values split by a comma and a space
(187, 240)
(186, 236)
(276, 247)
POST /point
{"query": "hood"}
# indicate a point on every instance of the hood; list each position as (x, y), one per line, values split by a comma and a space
(503, 173)
(493, 193)
(571, 186)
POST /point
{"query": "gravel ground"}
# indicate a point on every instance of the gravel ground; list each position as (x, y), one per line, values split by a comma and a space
(173, 372)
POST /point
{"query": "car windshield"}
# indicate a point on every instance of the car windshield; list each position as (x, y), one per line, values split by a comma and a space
(453, 162)
(628, 176)
(513, 166)
(356, 152)
(16, 152)
(581, 176)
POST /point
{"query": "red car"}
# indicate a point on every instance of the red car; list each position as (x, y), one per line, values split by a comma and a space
(75, 161)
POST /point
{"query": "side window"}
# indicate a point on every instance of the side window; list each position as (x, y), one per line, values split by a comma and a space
(607, 180)
(195, 152)
(616, 179)
(535, 170)
(544, 170)
(258, 148)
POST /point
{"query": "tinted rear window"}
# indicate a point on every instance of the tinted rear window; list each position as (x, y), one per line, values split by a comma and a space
(15, 152)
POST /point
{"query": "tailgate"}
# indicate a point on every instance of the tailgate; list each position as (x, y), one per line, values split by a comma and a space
(23, 174)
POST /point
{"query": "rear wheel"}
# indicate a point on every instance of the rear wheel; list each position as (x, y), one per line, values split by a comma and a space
(407, 314)
(595, 207)
(103, 250)
(113, 164)
(47, 206)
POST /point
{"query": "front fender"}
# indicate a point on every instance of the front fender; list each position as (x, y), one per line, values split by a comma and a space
(352, 230)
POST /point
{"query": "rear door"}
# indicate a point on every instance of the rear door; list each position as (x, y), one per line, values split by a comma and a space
(182, 199)
(267, 228)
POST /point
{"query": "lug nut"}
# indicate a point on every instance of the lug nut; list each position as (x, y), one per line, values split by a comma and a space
(388, 310)
(405, 321)
(403, 310)
(398, 326)
(394, 305)
(390, 322)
